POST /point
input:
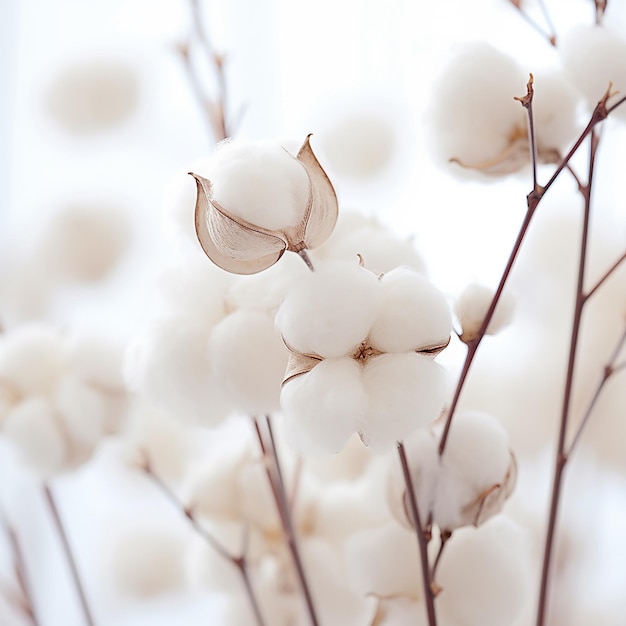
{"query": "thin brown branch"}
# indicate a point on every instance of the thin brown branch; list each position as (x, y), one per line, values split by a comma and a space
(272, 469)
(422, 539)
(561, 454)
(527, 102)
(550, 35)
(609, 370)
(240, 562)
(67, 550)
(600, 9)
(306, 258)
(605, 276)
(445, 537)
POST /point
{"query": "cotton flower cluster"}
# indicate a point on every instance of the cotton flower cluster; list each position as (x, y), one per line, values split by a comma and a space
(361, 356)
(59, 395)
(477, 124)
(469, 483)
(260, 202)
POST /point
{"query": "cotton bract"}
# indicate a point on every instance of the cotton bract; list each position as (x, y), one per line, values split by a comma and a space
(260, 201)
(360, 359)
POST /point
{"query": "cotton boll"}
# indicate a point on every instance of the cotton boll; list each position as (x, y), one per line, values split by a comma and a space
(97, 360)
(471, 308)
(93, 95)
(499, 551)
(594, 57)
(475, 479)
(384, 561)
(260, 183)
(405, 391)
(249, 359)
(85, 242)
(34, 429)
(474, 118)
(324, 407)
(194, 287)
(147, 561)
(414, 314)
(31, 359)
(330, 313)
(82, 410)
(169, 364)
(401, 612)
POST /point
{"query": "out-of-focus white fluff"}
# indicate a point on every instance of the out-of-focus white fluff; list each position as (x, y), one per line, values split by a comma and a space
(249, 359)
(471, 308)
(473, 114)
(383, 561)
(147, 561)
(498, 551)
(405, 391)
(169, 364)
(331, 311)
(594, 57)
(96, 360)
(324, 407)
(93, 95)
(414, 314)
(260, 183)
(35, 430)
(85, 242)
(32, 359)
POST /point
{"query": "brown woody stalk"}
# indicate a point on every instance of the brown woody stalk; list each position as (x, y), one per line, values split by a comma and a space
(240, 562)
(279, 492)
(67, 550)
(423, 538)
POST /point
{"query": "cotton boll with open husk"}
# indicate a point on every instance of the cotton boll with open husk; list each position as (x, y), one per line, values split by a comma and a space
(249, 359)
(595, 57)
(331, 312)
(471, 308)
(413, 315)
(93, 95)
(85, 242)
(499, 551)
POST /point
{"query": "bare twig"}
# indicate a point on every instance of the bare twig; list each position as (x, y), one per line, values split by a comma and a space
(527, 102)
(445, 537)
(605, 276)
(67, 550)
(273, 471)
(600, 9)
(561, 456)
(240, 562)
(422, 538)
(306, 258)
(550, 34)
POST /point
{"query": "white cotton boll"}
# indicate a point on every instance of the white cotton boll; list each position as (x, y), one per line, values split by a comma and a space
(347, 465)
(414, 314)
(195, 287)
(402, 612)
(147, 561)
(324, 407)
(471, 308)
(473, 115)
(260, 183)
(405, 391)
(82, 410)
(555, 104)
(32, 359)
(384, 561)
(96, 360)
(169, 364)
(499, 552)
(594, 57)
(33, 428)
(93, 95)
(331, 311)
(85, 242)
(249, 359)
